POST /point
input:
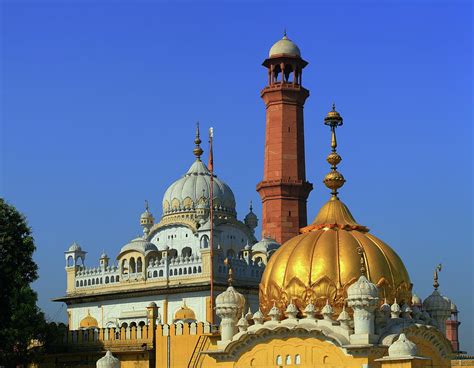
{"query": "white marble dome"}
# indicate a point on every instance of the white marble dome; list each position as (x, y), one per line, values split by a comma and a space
(362, 288)
(139, 245)
(284, 47)
(75, 248)
(230, 297)
(402, 348)
(108, 361)
(265, 245)
(436, 302)
(193, 189)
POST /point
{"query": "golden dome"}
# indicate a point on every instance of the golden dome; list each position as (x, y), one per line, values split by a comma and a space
(184, 313)
(323, 262)
(88, 322)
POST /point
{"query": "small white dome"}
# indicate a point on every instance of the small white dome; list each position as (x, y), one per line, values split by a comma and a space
(140, 245)
(75, 248)
(436, 302)
(284, 47)
(416, 300)
(230, 298)
(265, 245)
(402, 348)
(108, 361)
(362, 288)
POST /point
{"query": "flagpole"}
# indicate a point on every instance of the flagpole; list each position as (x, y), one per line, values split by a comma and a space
(211, 220)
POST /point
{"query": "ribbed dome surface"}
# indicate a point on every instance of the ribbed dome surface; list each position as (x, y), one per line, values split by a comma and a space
(194, 188)
(324, 261)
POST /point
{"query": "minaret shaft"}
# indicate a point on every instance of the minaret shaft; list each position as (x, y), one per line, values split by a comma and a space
(284, 189)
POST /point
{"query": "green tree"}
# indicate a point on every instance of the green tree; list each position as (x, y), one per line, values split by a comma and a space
(21, 321)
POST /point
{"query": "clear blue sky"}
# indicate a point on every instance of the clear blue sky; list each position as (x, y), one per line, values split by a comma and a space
(99, 102)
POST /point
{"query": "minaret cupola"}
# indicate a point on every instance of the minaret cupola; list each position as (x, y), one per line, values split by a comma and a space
(284, 189)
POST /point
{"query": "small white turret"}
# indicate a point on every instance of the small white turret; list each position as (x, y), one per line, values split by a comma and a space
(274, 313)
(243, 324)
(327, 311)
(362, 297)
(402, 348)
(251, 219)
(291, 311)
(146, 220)
(310, 311)
(104, 260)
(108, 361)
(395, 309)
(258, 317)
(437, 306)
(344, 317)
(229, 306)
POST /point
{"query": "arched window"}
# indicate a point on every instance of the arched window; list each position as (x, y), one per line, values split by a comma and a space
(279, 360)
(106, 279)
(161, 273)
(180, 271)
(77, 283)
(199, 269)
(93, 282)
(70, 261)
(185, 271)
(297, 359)
(89, 282)
(97, 281)
(204, 241)
(189, 270)
(139, 265)
(186, 252)
(133, 268)
(155, 274)
(117, 279)
(194, 269)
(288, 360)
(81, 283)
(124, 266)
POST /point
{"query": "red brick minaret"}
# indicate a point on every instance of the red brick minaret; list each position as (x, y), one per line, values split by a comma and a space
(284, 189)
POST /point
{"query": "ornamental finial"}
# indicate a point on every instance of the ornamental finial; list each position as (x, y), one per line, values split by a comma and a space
(363, 270)
(435, 276)
(197, 141)
(284, 34)
(333, 180)
(228, 263)
(146, 206)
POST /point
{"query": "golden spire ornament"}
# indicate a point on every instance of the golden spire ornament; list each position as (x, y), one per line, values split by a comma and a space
(197, 141)
(228, 263)
(334, 179)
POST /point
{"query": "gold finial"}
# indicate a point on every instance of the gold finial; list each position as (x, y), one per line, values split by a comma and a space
(228, 263)
(435, 276)
(333, 180)
(363, 271)
(197, 141)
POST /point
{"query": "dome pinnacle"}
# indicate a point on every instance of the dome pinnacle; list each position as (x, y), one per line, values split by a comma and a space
(197, 141)
(334, 179)
(435, 277)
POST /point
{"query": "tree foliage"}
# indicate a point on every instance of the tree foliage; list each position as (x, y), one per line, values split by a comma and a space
(21, 321)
